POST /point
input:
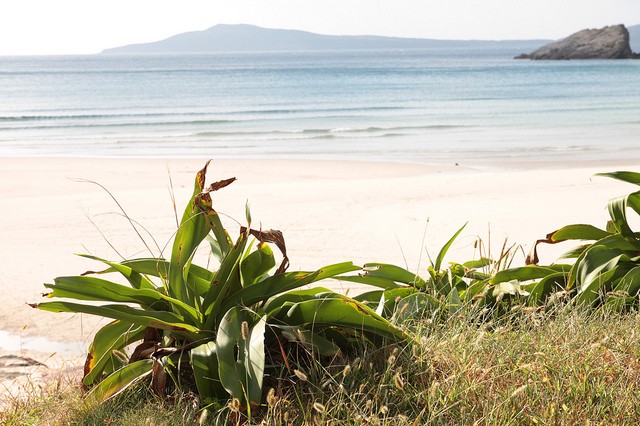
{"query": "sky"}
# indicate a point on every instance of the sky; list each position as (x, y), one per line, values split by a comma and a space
(44, 27)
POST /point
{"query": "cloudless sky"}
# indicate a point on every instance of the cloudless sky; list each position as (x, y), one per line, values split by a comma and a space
(88, 26)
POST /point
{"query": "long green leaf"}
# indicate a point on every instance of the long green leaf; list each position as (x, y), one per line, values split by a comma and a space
(199, 277)
(618, 212)
(213, 219)
(443, 251)
(578, 232)
(113, 336)
(629, 177)
(227, 281)
(257, 264)
(370, 298)
(340, 312)
(204, 362)
(383, 283)
(574, 252)
(255, 360)
(633, 201)
(240, 349)
(478, 263)
(308, 338)
(594, 263)
(544, 288)
(393, 273)
(276, 303)
(136, 279)
(630, 283)
(529, 272)
(120, 380)
(193, 228)
(505, 289)
(280, 283)
(390, 298)
(162, 320)
(592, 290)
(91, 288)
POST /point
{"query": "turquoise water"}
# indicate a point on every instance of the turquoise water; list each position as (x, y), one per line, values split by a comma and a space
(387, 105)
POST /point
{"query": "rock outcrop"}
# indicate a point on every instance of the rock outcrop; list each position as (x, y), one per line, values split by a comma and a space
(606, 43)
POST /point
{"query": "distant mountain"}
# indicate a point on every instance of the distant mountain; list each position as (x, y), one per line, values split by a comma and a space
(250, 38)
(634, 37)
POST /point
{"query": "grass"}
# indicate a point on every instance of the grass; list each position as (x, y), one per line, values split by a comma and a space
(568, 368)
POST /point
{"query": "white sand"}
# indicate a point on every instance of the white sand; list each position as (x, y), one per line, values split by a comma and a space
(328, 211)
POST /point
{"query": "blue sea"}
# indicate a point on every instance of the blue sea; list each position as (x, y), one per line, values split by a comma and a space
(414, 105)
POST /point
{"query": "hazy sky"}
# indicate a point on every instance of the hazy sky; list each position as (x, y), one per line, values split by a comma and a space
(85, 26)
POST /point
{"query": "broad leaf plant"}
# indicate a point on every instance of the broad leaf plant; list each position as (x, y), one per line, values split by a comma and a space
(180, 325)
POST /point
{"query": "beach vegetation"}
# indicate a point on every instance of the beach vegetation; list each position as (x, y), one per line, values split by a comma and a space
(477, 342)
(577, 366)
(602, 271)
(606, 264)
(215, 333)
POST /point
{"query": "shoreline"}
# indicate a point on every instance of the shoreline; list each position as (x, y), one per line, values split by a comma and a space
(329, 211)
(474, 161)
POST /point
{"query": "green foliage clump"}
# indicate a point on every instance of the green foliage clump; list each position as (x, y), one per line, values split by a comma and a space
(216, 333)
(602, 273)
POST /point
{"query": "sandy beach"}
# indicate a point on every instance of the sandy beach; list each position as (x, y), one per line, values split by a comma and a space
(329, 211)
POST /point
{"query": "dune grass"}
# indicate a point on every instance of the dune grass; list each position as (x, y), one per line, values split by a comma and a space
(570, 367)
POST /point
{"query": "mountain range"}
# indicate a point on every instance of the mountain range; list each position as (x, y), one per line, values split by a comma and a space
(250, 38)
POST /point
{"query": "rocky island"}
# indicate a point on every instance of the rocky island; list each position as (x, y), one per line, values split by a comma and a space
(610, 42)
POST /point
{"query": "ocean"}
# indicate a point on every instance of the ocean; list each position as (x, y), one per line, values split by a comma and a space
(425, 105)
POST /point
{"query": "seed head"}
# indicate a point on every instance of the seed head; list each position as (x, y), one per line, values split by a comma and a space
(300, 335)
(300, 375)
(346, 370)
(202, 420)
(434, 388)
(272, 399)
(319, 407)
(518, 391)
(403, 309)
(245, 330)
(397, 380)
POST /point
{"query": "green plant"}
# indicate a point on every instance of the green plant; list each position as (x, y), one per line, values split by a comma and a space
(210, 331)
(475, 284)
(605, 272)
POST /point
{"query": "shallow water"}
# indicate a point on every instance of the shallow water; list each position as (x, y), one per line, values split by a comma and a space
(384, 105)
(14, 343)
